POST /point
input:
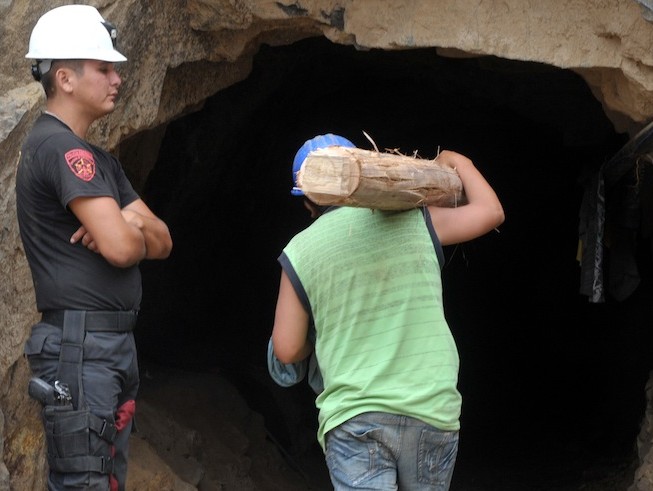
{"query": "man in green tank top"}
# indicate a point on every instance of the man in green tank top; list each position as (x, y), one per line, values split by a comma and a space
(361, 297)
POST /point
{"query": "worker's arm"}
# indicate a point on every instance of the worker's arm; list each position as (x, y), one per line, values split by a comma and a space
(482, 212)
(290, 331)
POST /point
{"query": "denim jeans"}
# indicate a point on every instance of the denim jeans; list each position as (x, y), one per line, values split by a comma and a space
(381, 451)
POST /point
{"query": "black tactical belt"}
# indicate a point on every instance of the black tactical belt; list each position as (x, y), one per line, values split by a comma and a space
(96, 320)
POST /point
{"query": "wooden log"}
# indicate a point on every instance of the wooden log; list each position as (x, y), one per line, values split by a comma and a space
(344, 176)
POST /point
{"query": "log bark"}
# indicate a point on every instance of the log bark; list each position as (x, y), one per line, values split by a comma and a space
(344, 176)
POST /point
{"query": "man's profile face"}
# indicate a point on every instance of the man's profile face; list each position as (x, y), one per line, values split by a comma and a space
(96, 86)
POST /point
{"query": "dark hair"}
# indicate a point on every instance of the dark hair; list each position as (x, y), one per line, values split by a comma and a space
(47, 78)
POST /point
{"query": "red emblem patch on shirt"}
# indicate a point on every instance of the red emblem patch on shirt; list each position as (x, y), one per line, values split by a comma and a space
(81, 162)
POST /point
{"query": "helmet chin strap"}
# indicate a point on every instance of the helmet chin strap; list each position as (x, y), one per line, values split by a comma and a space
(39, 68)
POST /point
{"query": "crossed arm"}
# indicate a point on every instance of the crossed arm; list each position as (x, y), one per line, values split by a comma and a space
(124, 236)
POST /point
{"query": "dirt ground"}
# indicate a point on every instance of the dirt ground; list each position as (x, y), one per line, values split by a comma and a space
(201, 427)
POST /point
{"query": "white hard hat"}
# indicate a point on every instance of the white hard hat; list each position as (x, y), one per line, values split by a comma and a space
(73, 32)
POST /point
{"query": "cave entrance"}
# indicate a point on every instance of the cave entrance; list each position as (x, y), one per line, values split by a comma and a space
(549, 380)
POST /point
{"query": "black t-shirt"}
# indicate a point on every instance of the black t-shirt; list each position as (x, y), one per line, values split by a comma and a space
(56, 167)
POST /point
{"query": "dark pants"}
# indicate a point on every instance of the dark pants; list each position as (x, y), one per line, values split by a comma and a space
(109, 379)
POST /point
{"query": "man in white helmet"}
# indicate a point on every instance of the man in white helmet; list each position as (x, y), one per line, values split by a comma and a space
(84, 231)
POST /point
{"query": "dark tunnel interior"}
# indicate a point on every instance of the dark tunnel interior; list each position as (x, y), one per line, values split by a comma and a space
(545, 374)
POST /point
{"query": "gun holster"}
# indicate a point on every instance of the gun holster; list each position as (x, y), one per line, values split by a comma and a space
(42, 391)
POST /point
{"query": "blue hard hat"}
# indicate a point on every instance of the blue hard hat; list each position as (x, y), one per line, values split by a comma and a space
(320, 141)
